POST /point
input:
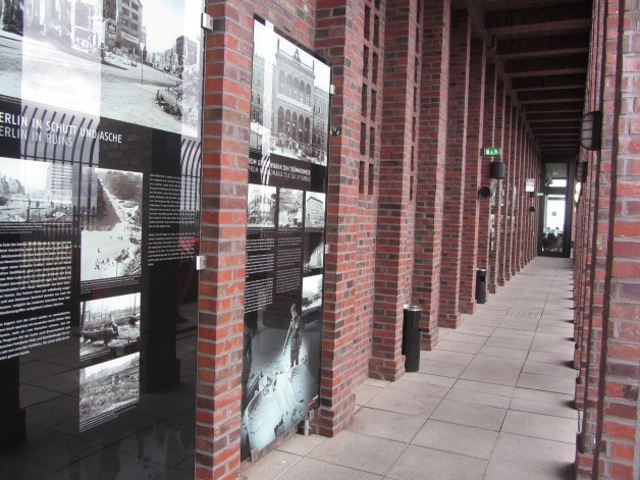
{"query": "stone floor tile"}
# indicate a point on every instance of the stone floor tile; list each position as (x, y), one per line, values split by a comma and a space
(446, 356)
(272, 466)
(544, 403)
(485, 387)
(300, 444)
(404, 402)
(419, 388)
(440, 368)
(418, 463)
(365, 392)
(463, 413)
(437, 380)
(469, 441)
(383, 424)
(454, 346)
(541, 426)
(503, 352)
(473, 339)
(360, 452)
(479, 398)
(546, 383)
(549, 369)
(514, 341)
(528, 458)
(310, 469)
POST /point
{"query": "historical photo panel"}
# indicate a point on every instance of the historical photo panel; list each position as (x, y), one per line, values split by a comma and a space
(285, 242)
(121, 60)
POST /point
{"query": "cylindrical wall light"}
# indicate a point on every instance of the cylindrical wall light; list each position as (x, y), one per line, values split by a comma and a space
(498, 169)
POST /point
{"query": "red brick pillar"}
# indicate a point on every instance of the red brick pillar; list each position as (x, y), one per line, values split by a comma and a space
(340, 30)
(472, 203)
(223, 234)
(496, 255)
(511, 195)
(597, 436)
(431, 165)
(455, 169)
(533, 201)
(516, 200)
(396, 211)
(489, 128)
(507, 196)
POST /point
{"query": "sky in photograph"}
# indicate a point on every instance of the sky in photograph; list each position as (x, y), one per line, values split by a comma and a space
(167, 20)
(114, 303)
(32, 175)
(266, 45)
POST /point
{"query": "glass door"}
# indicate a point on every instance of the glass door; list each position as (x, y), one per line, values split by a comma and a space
(554, 223)
(555, 218)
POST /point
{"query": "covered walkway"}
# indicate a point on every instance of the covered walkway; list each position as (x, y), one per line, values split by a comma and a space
(492, 401)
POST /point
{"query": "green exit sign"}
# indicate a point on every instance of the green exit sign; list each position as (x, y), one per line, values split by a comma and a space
(491, 152)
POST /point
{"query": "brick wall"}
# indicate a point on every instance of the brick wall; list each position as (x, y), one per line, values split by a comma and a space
(608, 290)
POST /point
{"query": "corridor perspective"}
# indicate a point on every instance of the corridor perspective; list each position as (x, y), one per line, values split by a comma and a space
(492, 401)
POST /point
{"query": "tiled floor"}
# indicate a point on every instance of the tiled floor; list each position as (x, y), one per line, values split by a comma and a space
(493, 401)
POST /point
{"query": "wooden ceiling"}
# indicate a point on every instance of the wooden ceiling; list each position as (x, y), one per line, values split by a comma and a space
(542, 46)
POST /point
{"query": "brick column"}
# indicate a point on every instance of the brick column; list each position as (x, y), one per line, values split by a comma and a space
(496, 266)
(455, 169)
(504, 272)
(340, 29)
(516, 199)
(488, 140)
(472, 204)
(224, 196)
(510, 197)
(396, 210)
(431, 165)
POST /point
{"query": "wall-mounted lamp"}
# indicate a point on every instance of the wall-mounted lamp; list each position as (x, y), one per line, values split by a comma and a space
(484, 192)
(591, 131)
(577, 191)
(498, 169)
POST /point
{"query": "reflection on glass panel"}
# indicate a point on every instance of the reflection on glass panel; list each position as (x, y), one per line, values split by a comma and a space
(555, 175)
(100, 160)
(553, 228)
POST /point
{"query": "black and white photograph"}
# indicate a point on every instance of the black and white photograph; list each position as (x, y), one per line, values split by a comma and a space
(314, 210)
(280, 385)
(102, 58)
(107, 389)
(290, 208)
(261, 206)
(312, 293)
(109, 323)
(313, 252)
(33, 191)
(111, 222)
(290, 99)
